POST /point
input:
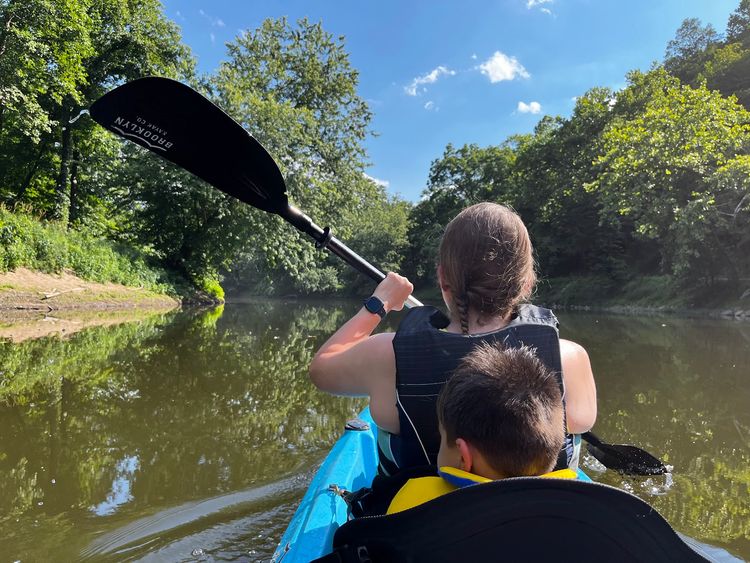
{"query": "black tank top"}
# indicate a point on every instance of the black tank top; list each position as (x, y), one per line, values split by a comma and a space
(426, 355)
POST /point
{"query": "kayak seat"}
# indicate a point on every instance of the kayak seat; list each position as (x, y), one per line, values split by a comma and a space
(518, 519)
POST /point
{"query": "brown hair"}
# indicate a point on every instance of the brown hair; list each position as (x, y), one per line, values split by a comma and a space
(508, 405)
(487, 261)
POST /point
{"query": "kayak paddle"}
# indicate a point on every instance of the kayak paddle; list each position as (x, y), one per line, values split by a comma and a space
(623, 458)
(179, 124)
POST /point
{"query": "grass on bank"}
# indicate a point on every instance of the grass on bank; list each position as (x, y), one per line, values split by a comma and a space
(25, 241)
(642, 292)
(658, 292)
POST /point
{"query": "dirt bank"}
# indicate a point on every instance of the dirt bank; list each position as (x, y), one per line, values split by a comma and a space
(25, 290)
(33, 304)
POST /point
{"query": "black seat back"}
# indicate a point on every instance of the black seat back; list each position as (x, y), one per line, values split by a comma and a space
(521, 519)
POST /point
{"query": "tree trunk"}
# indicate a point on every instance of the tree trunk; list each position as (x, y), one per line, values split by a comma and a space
(3, 44)
(62, 204)
(30, 175)
(74, 205)
(7, 20)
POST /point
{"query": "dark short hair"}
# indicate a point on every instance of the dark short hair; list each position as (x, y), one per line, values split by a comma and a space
(508, 405)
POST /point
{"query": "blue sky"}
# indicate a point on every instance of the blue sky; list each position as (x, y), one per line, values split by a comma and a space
(438, 72)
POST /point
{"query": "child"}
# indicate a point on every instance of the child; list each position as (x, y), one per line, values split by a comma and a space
(500, 415)
(486, 272)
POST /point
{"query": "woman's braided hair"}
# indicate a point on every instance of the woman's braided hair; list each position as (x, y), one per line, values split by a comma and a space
(487, 262)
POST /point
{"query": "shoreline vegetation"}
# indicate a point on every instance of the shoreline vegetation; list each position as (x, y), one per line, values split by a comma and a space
(639, 198)
(37, 304)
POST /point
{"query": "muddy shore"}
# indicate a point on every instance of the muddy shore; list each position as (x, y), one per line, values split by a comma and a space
(35, 304)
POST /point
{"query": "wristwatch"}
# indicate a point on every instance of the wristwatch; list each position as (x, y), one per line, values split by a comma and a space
(375, 305)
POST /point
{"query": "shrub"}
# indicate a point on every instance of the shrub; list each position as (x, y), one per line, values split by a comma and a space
(26, 241)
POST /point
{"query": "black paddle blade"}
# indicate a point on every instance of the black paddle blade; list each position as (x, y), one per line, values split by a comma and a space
(627, 459)
(179, 124)
(624, 458)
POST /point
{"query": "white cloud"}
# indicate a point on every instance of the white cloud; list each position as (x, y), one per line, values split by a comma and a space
(501, 67)
(213, 37)
(215, 22)
(530, 4)
(429, 78)
(532, 107)
(430, 105)
(474, 57)
(378, 181)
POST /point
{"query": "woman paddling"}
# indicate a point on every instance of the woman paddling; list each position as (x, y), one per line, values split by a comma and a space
(485, 272)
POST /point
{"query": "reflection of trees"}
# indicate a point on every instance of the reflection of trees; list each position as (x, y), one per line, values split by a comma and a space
(206, 403)
(678, 388)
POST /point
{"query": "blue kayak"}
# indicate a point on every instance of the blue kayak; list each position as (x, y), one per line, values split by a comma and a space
(351, 464)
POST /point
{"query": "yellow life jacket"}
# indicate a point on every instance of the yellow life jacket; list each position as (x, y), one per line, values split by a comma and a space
(423, 489)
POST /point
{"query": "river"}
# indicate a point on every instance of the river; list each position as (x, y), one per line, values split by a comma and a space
(191, 436)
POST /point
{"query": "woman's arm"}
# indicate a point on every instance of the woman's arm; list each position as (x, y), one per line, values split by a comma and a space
(349, 359)
(580, 388)
(354, 362)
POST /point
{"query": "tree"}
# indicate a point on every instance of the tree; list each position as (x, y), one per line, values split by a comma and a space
(552, 169)
(293, 88)
(56, 58)
(738, 26)
(687, 52)
(380, 236)
(662, 160)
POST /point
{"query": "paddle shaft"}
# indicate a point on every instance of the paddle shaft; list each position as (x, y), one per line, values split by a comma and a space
(324, 239)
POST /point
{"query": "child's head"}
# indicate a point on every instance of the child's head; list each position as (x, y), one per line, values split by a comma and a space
(501, 414)
(486, 262)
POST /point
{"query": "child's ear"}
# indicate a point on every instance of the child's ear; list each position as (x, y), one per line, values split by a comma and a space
(467, 460)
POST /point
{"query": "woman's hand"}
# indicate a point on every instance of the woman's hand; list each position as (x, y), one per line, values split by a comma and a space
(393, 291)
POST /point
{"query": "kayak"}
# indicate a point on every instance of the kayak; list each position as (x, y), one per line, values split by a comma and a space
(350, 465)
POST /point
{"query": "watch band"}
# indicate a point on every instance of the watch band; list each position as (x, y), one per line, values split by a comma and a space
(375, 306)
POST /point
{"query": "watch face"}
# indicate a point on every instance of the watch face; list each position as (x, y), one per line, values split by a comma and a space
(375, 305)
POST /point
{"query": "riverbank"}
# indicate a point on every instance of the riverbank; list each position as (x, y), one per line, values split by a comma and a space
(35, 304)
(646, 296)
(23, 290)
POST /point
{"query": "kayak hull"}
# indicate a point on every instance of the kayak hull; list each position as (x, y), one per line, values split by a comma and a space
(351, 464)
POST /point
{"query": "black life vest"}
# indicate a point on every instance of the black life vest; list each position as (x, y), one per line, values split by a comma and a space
(425, 358)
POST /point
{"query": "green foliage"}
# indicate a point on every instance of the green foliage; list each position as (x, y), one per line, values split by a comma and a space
(380, 236)
(648, 180)
(292, 86)
(659, 156)
(56, 58)
(28, 242)
(212, 287)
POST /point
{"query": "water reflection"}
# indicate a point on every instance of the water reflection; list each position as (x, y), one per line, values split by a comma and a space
(112, 424)
(678, 388)
(189, 433)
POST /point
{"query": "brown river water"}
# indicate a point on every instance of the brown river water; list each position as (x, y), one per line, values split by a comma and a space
(191, 436)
